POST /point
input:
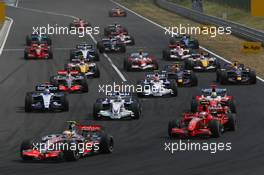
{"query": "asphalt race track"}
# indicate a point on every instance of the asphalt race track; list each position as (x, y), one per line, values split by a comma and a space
(139, 145)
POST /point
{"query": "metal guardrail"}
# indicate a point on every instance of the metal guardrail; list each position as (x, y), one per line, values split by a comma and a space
(237, 29)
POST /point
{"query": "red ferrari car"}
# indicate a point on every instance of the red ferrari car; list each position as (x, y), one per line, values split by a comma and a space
(74, 143)
(79, 23)
(70, 81)
(38, 51)
(140, 61)
(209, 122)
(213, 94)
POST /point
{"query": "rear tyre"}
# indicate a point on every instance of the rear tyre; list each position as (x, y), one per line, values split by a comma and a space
(84, 85)
(166, 54)
(107, 144)
(135, 107)
(194, 80)
(232, 123)
(215, 128)
(194, 105)
(65, 103)
(97, 107)
(28, 102)
(174, 89)
(71, 155)
(253, 77)
(100, 47)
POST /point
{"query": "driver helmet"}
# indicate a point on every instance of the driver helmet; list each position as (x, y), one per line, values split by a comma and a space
(118, 97)
(141, 55)
(67, 133)
(202, 114)
(156, 77)
(213, 94)
(46, 91)
(69, 75)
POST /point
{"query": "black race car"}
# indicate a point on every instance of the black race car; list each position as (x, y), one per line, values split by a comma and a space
(236, 74)
(181, 76)
(111, 45)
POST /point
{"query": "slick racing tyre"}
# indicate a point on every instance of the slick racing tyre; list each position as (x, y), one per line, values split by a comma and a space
(96, 72)
(84, 85)
(232, 123)
(171, 125)
(28, 102)
(215, 128)
(97, 107)
(100, 47)
(166, 54)
(71, 155)
(65, 103)
(194, 80)
(232, 106)
(106, 145)
(25, 145)
(252, 77)
(174, 89)
(135, 107)
(194, 105)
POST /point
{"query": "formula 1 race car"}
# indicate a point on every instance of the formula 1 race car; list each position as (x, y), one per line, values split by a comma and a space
(86, 69)
(77, 142)
(117, 12)
(111, 45)
(79, 24)
(70, 81)
(180, 75)
(236, 74)
(85, 51)
(155, 85)
(36, 38)
(114, 30)
(202, 124)
(140, 61)
(46, 98)
(202, 62)
(117, 106)
(186, 40)
(38, 51)
(214, 95)
(175, 52)
(126, 39)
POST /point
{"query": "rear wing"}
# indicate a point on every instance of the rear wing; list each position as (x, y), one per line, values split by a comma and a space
(122, 94)
(64, 72)
(87, 46)
(93, 128)
(42, 87)
(219, 91)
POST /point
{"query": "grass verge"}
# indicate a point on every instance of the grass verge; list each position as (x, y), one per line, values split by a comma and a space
(232, 14)
(227, 46)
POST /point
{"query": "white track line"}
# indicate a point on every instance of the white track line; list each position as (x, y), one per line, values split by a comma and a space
(158, 25)
(92, 37)
(6, 35)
